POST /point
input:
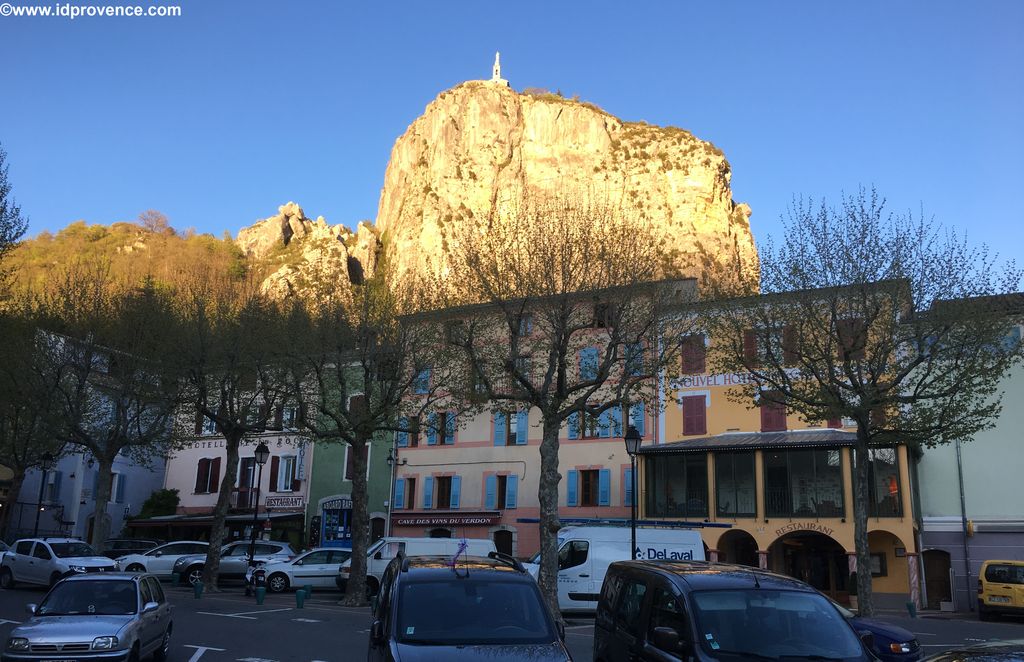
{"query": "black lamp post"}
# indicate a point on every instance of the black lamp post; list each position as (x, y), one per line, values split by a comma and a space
(45, 463)
(261, 455)
(633, 440)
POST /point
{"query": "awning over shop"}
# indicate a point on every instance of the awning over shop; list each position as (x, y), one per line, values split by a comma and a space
(207, 520)
(734, 441)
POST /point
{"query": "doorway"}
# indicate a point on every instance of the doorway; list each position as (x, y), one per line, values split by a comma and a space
(937, 564)
(814, 558)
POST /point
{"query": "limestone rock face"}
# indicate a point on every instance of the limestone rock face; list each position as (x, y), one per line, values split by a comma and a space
(480, 140)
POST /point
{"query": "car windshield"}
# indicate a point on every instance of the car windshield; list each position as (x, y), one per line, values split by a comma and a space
(102, 598)
(69, 549)
(476, 611)
(739, 624)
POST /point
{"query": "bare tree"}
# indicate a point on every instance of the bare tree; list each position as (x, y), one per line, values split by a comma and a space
(359, 366)
(155, 222)
(231, 353)
(567, 314)
(881, 319)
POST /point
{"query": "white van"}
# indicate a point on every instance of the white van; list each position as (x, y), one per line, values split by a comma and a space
(385, 549)
(585, 552)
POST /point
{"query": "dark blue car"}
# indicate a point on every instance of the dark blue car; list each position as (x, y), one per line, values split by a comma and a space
(892, 643)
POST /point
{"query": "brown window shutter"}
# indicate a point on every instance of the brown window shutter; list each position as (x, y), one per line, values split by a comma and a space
(275, 468)
(789, 346)
(694, 415)
(215, 474)
(202, 475)
(694, 355)
(750, 348)
(773, 417)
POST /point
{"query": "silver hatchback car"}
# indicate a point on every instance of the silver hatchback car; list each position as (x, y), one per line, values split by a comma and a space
(118, 617)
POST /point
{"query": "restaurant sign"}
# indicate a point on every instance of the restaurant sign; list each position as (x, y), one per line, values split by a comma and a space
(446, 519)
(286, 502)
(804, 526)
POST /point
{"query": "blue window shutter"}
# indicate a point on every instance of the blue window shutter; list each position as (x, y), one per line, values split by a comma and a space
(511, 491)
(422, 384)
(399, 493)
(449, 428)
(428, 492)
(56, 485)
(636, 417)
(604, 487)
(121, 480)
(588, 363)
(574, 425)
(431, 429)
(490, 489)
(403, 436)
(570, 488)
(604, 424)
(456, 491)
(521, 420)
(616, 421)
(499, 428)
(628, 501)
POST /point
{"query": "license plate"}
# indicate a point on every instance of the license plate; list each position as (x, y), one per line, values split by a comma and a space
(63, 661)
(998, 598)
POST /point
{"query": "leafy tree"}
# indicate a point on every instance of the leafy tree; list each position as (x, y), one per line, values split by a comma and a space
(231, 352)
(569, 311)
(160, 502)
(882, 319)
(12, 223)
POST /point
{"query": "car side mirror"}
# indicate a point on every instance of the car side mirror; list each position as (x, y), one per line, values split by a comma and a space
(30, 609)
(377, 632)
(378, 556)
(150, 606)
(665, 639)
(868, 638)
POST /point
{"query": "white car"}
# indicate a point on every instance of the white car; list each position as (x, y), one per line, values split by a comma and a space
(317, 567)
(45, 561)
(160, 560)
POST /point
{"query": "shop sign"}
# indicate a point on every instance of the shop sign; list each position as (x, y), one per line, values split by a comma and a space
(296, 502)
(804, 526)
(447, 519)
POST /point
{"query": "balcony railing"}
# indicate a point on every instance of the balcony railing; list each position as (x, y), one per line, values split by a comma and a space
(779, 502)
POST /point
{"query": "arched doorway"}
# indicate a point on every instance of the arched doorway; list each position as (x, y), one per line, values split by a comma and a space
(738, 546)
(814, 558)
(503, 541)
(937, 564)
(440, 533)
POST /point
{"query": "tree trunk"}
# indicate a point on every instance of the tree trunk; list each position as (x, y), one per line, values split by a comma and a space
(860, 521)
(100, 522)
(355, 590)
(217, 528)
(13, 491)
(547, 494)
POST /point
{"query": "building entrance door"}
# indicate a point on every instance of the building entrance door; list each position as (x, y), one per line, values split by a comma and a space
(814, 558)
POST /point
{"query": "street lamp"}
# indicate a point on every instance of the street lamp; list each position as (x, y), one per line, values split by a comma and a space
(45, 462)
(633, 440)
(393, 463)
(261, 455)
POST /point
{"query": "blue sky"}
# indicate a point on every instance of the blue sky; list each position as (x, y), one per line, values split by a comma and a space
(219, 116)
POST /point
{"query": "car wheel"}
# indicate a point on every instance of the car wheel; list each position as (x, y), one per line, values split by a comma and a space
(135, 567)
(194, 575)
(134, 655)
(6, 579)
(160, 654)
(55, 577)
(277, 582)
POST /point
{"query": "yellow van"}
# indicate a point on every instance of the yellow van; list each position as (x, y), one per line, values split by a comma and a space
(1000, 588)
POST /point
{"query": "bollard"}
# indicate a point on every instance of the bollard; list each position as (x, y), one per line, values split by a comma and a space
(300, 598)
(197, 590)
(912, 609)
(261, 593)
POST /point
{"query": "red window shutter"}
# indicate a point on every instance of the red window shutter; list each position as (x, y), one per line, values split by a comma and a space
(215, 474)
(773, 417)
(694, 415)
(750, 347)
(789, 346)
(835, 422)
(202, 475)
(275, 468)
(694, 354)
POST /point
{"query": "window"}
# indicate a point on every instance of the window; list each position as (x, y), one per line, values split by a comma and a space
(634, 359)
(666, 613)
(145, 592)
(156, 590)
(410, 487)
(41, 552)
(878, 568)
(852, 339)
(24, 547)
(637, 413)
(735, 492)
(525, 325)
(588, 364)
(773, 416)
(694, 354)
(290, 417)
(677, 485)
(282, 472)
(803, 483)
(442, 492)
(500, 491)
(441, 423)
(588, 487)
(573, 553)
(695, 417)
(770, 346)
(607, 424)
(884, 488)
(421, 383)
(208, 475)
(118, 485)
(409, 435)
(631, 600)
(52, 492)
(510, 428)
(209, 427)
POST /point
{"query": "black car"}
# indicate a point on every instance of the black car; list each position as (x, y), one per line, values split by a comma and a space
(478, 608)
(670, 610)
(999, 651)
(115, 548)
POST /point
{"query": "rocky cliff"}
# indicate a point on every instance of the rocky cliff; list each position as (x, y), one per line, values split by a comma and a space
(481, 140)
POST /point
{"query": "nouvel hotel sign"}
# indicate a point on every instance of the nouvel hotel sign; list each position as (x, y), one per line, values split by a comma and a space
(479, 518)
